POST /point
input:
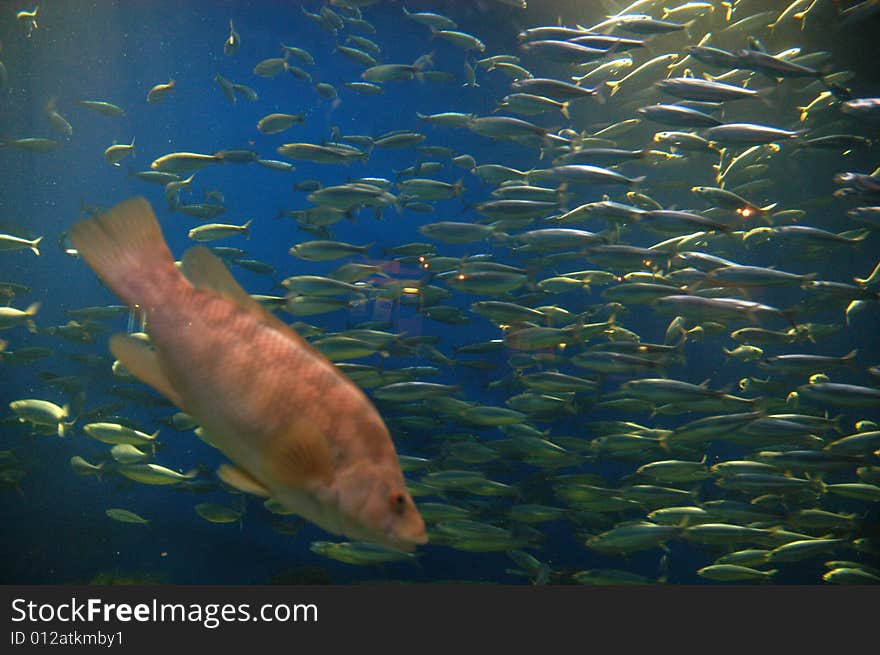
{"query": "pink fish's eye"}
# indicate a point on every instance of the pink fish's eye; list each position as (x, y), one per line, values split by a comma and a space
(398, 502)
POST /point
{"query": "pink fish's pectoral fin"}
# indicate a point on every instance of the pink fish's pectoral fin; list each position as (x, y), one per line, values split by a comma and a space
(242, 481)
(143, 363)
(299, 456)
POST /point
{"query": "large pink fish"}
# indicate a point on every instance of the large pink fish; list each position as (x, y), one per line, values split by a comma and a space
(295, 427)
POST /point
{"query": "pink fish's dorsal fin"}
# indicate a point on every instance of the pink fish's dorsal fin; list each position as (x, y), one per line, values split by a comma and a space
(207, 271)
(242, 481)
(299, 455)
(143, 363)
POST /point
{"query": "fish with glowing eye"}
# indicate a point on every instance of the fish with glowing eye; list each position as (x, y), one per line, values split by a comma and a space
(233, 41)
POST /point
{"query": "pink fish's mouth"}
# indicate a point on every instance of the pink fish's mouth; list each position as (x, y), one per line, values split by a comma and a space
(402, 540)
(405, 542)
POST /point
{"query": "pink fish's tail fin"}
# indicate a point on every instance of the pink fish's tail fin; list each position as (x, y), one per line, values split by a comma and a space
(126, 249)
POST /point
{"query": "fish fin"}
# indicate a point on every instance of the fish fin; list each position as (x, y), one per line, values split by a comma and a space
(242, 481)
(764, 95)
(125, 248)
(143, 363)
(207, 271)
(856, 235)
(300, 455)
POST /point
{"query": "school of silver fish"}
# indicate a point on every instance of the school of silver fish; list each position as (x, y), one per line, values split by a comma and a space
(670, 222)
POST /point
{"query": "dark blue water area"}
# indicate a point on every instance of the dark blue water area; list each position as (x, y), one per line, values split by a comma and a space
(55, 529)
